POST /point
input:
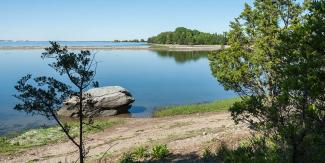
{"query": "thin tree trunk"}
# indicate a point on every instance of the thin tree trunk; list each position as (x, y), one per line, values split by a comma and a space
(81, 153)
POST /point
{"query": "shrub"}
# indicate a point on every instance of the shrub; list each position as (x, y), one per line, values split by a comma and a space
(254, 150)
(160, 151)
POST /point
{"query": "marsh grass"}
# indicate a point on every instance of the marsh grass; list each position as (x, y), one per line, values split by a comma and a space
(43, 136)
(216, 106)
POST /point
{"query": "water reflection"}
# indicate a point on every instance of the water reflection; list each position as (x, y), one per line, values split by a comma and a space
(183, 57)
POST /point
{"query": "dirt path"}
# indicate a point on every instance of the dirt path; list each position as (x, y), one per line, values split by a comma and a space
(182, 134)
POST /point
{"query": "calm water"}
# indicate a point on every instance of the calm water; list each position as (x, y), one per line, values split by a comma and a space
(71, 43)
(154, 79)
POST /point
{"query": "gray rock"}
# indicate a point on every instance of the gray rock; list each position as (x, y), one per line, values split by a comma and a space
(105, 101)
(107, 113)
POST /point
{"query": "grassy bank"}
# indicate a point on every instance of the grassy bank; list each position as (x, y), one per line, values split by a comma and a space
(43, 136)
(216, 106)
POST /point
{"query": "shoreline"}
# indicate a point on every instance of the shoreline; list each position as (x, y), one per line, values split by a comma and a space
(165, 47)
(172, 47)
(177, 124)
(216, 106)
(119, 138)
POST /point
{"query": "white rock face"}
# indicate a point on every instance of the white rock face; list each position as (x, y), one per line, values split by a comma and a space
(107, 101)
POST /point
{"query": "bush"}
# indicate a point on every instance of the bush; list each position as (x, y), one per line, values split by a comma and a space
(254, 150)
(160, 151)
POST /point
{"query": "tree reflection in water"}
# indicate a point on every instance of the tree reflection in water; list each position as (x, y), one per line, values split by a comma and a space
(182, 57)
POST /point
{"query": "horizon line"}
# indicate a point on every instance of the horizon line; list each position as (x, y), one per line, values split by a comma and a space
(71, 40)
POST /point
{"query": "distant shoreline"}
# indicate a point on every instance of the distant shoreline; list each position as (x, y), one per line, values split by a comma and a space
(165, 47)
(172, 47)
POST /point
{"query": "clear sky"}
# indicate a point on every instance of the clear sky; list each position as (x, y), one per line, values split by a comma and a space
(111, 19)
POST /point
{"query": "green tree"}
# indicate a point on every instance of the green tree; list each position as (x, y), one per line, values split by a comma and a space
(302, 88)
(45, 95)
(275, 63)
(184, 36)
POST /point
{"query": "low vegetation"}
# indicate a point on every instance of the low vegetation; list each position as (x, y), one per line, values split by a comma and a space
(184, 36)
(127, 158)
(208, 155)
(255, 149)
(158, 152)
(140, 152)
(252, 150)
(216, 106)
(43, 136)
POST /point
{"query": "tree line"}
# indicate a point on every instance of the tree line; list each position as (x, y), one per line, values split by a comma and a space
(184, 36)
(134, 40)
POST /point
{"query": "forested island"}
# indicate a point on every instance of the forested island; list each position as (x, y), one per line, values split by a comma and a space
(184, 36)
(134, 40)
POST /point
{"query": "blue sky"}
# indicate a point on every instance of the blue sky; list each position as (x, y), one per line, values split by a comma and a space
(111, 19)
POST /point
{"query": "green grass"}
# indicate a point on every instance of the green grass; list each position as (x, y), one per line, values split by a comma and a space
(216, 106)
(159, 46)
(160, 151)
(140, 152)
(42, 136)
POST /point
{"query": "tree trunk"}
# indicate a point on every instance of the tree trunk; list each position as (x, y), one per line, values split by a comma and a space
(81, 153)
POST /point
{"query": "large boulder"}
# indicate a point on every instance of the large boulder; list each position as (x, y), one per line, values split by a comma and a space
(105, 101)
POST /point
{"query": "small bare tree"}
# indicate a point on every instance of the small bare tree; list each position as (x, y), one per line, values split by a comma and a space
(45, 95)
